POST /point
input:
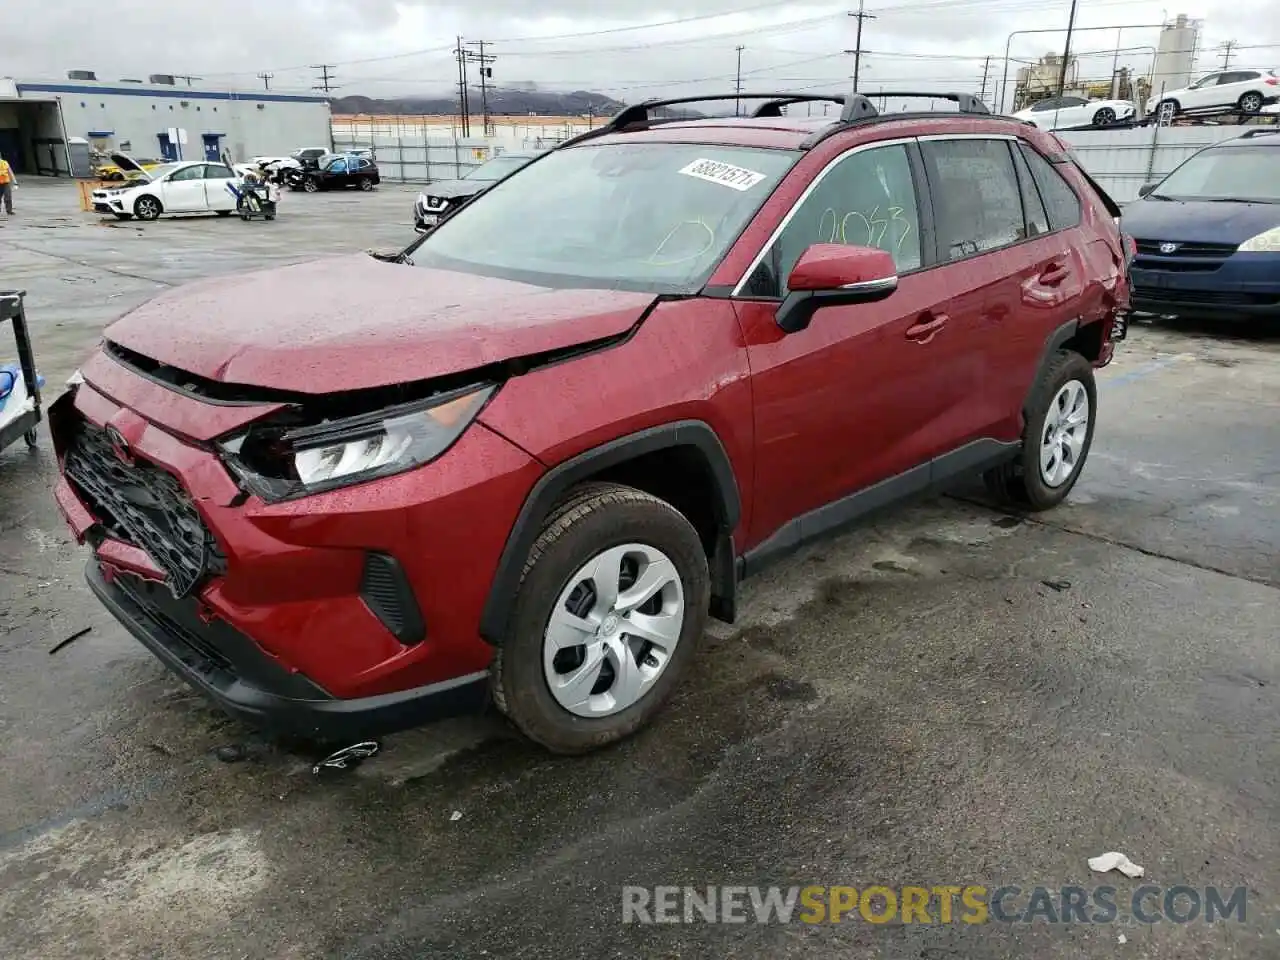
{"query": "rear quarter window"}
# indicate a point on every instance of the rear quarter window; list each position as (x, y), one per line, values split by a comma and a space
(1060, 200)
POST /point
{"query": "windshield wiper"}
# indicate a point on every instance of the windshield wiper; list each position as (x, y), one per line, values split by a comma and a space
(1158, 196)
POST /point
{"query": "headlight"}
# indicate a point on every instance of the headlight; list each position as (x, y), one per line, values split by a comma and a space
(280, 463)
(1266, 242)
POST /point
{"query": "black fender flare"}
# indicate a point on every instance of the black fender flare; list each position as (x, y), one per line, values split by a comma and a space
(1052, 345)
(553, 484)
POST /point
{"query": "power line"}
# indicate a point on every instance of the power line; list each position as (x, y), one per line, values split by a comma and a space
(861, 15)
(266, 80)
(326, 77)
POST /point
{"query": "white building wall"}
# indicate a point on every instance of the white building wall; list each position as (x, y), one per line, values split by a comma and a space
(250, 122)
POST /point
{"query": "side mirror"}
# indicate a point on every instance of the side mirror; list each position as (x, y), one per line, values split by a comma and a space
(830, 274)
(1146, 188)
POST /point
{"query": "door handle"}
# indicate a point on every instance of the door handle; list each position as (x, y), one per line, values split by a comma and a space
(1054, 274)
(924, 329)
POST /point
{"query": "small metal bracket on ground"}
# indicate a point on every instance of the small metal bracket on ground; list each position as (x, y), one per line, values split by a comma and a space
(348, 757)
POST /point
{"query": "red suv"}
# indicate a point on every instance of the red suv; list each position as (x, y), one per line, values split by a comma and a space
(528, 456)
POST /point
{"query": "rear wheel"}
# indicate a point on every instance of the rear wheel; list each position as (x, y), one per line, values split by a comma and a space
(310, 185)
(366, 184)
(611, 605)
(1055, 440)
(1104, 117)
(1250, 102)
(147, 208)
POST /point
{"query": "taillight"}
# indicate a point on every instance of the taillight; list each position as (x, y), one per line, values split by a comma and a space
(1271, 81)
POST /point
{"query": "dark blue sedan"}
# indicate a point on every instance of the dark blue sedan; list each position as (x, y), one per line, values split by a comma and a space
(1208, 234)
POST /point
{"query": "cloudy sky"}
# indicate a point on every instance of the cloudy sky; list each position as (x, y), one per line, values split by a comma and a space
(638, 49)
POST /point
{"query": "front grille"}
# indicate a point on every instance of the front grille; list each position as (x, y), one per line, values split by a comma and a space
(145, 506)
(1219, 250)
(1222, 297)
(1168, 265)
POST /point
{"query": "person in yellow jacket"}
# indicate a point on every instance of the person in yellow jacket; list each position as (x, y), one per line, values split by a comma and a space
(7, 183)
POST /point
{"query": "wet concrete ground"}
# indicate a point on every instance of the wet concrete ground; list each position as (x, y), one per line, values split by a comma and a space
(911, 704)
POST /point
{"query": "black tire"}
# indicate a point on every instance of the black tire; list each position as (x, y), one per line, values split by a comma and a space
(147, 208)
(224, 213)
(1104, 117)
(122, 216)
(309, 185)
(592, 518)
(366, 184)
(1250, 103)
(1019, 483)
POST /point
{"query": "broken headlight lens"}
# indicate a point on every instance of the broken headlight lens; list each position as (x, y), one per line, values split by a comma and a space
(278, 463)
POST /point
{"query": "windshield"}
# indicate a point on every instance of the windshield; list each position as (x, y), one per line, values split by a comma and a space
(655, 217)
(1226, 173)
(497, 168)
(155, 173)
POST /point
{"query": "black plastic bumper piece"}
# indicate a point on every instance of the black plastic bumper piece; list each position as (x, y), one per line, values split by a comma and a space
(229, 668)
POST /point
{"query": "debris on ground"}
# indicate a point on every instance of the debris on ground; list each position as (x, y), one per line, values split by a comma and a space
(69, 640)
(1115, 861)
(348, 757)
(231, 753)
(456, 815)
(1059, 585)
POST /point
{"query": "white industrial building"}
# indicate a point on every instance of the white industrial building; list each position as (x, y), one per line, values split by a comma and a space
(163, 117)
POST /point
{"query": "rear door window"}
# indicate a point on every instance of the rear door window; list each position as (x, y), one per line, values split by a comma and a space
(1060, 201)
(1032, 206)
(977, 200)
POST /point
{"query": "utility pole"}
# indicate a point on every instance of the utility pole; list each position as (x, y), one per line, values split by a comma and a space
(486, 73)
(1226, 53)
(266, 80)
(986, 73)
(737, 83)
(326, 77)
(861, 15)
(1066, 50)
(464, 111)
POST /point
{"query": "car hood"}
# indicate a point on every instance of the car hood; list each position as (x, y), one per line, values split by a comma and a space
(130, 165)
(1198, 221)
(350, 322)
(455, 188)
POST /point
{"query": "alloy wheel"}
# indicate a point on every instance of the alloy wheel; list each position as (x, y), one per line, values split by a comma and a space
(613, 630)
(1062, 438)
(1251, 103)
(1104, 116)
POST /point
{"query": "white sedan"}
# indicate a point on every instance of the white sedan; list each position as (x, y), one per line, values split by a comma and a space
(185, 186)
(1063, 113)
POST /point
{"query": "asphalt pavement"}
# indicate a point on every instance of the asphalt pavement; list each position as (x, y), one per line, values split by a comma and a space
(949, 696)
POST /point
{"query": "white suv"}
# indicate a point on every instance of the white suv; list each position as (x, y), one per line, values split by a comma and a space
(1246, 90)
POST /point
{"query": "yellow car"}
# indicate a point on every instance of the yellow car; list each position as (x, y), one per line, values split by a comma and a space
(111, 170)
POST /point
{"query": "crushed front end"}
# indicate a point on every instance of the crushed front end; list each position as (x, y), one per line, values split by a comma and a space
(334, 610)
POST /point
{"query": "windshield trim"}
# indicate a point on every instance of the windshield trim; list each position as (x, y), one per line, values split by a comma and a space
(539, 278)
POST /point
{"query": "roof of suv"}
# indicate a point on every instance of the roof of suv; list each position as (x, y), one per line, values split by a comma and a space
(768, 126)
(1257, 137)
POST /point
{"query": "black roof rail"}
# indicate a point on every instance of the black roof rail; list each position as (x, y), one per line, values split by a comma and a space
(1259, 132)
(967, 102)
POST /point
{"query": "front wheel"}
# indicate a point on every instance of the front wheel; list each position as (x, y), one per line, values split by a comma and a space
(146, 208)
(1104, 117)
(310, 186)
(1055, 440)
(610, 608)
(366, 184)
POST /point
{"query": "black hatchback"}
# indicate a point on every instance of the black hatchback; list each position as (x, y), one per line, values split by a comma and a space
(339, 171)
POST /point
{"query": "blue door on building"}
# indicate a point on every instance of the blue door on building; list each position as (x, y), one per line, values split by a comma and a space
(212, 147)
(168, 149)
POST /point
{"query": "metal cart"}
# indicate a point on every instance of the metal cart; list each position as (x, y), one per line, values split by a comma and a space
(25, 425)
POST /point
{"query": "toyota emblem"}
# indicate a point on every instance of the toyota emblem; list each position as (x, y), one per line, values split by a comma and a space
(119, 445)
(1168, 247)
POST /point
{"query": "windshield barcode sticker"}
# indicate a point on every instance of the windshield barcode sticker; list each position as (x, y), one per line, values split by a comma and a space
(725, 174)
